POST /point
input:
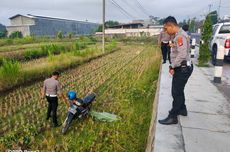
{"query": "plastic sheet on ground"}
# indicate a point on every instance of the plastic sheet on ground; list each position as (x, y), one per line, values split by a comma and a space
(104, 116)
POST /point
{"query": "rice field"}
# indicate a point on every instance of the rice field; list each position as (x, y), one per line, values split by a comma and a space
(125, 83)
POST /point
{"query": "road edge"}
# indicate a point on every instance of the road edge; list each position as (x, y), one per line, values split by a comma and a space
(152, 127)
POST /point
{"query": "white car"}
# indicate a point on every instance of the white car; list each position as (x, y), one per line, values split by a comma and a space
(220, 36)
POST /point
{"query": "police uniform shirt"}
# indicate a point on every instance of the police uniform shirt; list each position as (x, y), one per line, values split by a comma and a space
(164, 37)
(52, 86)
(180, 51)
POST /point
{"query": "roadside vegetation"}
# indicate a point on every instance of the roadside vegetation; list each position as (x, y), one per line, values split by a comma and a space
(204, 53)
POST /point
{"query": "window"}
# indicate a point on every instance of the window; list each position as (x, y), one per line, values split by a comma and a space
(214, 29)
(224, 29)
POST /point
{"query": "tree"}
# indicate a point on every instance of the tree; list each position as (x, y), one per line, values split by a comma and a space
(111, 23)
(192, 25)
(160, 21)
(99, 28)
(205, 55)
(213, 15)
(108, 24)
(3, 31)
(207, 30)
(182, 23)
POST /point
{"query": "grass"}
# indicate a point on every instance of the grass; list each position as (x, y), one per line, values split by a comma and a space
(125, 83)
(30, 40)
(15, 48)
(131, 98)
(32, 71)
(38, 51)
(9, 72)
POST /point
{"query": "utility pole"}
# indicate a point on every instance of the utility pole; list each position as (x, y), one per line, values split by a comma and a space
(209, 8)
(218, 17)
(103, 28)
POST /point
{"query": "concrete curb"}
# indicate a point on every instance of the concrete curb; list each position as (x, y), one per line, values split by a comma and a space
(151, 136)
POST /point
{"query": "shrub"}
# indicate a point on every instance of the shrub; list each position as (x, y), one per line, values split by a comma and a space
(9, 71)
(16, 34)
(70, 35)
(111, 46)
(204, 55)
(32, 54)
(84, 53)
(59, 35)
(25, 40)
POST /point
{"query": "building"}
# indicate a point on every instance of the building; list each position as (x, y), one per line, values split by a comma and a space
(127, 26)
(136, 28)
(48, 26)
(133, 30)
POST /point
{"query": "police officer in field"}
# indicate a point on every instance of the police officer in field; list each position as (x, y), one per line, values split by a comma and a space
(181, 68)
(51, 89)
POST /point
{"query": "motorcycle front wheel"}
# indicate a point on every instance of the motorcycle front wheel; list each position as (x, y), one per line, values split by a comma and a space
(67, 122)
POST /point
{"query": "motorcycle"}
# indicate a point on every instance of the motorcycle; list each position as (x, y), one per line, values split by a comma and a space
(78, 109)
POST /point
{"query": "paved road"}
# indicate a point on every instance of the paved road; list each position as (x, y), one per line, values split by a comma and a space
(207, 126)
(196, 36)
(224, 87)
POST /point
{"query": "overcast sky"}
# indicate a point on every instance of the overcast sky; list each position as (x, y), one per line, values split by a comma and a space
(91, 10)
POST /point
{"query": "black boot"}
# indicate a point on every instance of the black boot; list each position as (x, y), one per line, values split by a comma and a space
(169, 120)
(56, 125)
(183, 112)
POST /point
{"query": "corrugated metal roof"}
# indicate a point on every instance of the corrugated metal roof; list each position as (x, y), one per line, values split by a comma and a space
(49, 18)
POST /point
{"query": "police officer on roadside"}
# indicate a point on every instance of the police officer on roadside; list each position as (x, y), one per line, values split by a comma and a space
(163, 41)
(181, 69)
(185, 27)
(51, 89)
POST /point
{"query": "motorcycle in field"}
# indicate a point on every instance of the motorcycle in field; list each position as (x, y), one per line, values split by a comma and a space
(79, 108)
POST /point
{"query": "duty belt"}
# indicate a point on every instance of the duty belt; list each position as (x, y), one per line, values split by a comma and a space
(51, 95)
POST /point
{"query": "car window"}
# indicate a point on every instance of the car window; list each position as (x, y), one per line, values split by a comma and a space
(214, 29)
(224, 29)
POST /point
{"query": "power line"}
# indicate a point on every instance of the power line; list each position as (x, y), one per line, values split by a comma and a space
(124, 1)
(142, 8)
(219, 9)
(122, 9)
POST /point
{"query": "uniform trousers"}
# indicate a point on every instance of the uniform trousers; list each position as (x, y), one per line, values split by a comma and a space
(52, 107)
(179, 81)
(165, 48)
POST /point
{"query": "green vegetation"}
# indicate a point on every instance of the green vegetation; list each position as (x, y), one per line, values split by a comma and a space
(3, 34)
(16, 34)
(40, 68)
(204, 53)
(70, 35)
(108, 24)
(31, 40)
(125, 84)
(59, 35)
(139, 40)
(9, 71)
(42, 50)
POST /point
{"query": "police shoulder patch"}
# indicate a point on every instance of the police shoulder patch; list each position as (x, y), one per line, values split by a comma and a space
(180, 40)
